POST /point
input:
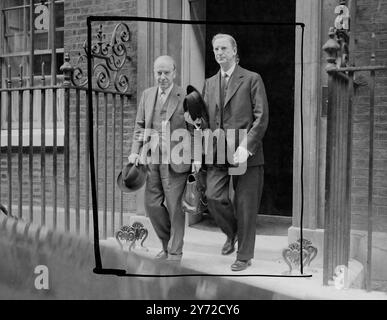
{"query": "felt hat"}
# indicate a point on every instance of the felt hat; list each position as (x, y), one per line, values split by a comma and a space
(132, 177)
(194, 104)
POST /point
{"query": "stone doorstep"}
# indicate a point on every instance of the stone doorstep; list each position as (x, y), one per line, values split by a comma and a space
(211, 242)
(204, 245)
(299, 288)
(202, 253)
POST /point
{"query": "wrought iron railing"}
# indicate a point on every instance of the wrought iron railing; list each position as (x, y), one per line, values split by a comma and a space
(45, 171)
(343, 80)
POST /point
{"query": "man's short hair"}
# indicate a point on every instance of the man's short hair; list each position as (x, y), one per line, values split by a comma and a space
(231, 39)
(167, 58)
(225, 35)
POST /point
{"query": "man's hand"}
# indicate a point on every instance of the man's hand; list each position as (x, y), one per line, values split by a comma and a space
(134, 158)
(241, 154)
(196, 166)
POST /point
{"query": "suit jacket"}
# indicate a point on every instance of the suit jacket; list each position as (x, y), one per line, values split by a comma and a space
(245, 107)
(174, 114)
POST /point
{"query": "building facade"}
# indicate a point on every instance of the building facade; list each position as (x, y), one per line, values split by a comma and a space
(272, 50)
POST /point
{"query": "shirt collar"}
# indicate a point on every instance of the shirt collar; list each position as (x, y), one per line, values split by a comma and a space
(167, 92)
(229, 71)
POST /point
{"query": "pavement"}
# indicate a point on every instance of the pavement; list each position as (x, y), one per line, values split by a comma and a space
(204, 241)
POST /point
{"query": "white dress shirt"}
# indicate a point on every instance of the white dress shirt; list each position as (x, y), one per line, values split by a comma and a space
(164, 97)
(228, 72)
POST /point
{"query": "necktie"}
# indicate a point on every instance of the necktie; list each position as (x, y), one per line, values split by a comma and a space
(223, 92)
(223, 88)
(162, 97)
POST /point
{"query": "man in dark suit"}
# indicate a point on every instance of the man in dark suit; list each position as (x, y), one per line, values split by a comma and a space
(160, 113)
(236, 99)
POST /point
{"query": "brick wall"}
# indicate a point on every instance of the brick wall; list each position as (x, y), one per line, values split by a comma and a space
(371, 16)
(75, 14)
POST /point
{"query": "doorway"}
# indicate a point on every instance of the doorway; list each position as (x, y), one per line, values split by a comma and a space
(268, 50)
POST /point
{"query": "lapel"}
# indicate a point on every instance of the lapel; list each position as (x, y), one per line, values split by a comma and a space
(235, 81)
(173, 101)
(150, 107)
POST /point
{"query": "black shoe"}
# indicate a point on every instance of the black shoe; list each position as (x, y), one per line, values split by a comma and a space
(229, 246)
(240, 265)
(162, 255)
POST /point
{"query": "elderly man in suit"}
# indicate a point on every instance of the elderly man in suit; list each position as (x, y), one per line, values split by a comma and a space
(236, 99)
(160, 113)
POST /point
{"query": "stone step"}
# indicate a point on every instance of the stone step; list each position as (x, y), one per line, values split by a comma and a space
(211, 241)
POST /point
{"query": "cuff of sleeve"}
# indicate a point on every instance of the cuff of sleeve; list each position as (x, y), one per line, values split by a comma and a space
(244, 149)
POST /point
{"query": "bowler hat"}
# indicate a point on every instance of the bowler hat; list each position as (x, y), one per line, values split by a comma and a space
(132, 177)
(194, 104)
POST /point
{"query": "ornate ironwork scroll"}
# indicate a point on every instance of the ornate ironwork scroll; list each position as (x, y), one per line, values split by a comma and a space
(291, 254)
(132, 233)
(108, 58)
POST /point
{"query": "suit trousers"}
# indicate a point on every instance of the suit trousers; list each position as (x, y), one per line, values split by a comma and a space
(165, 186)
(237, 217)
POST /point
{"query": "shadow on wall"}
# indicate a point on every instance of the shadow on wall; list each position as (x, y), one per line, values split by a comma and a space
(30, 253)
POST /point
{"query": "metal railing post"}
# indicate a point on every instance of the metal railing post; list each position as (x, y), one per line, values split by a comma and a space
(20, 144)
(67, 70)
(9, 140)
(43, 147)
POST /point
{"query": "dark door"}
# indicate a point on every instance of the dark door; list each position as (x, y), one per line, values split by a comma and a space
(268, 50)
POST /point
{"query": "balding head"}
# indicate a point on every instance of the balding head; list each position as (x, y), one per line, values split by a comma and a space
(165, 60)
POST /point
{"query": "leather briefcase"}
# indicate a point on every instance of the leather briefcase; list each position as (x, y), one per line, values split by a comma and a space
(193, 200)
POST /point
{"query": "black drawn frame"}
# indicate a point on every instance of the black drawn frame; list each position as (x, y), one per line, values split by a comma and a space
(98, 269)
